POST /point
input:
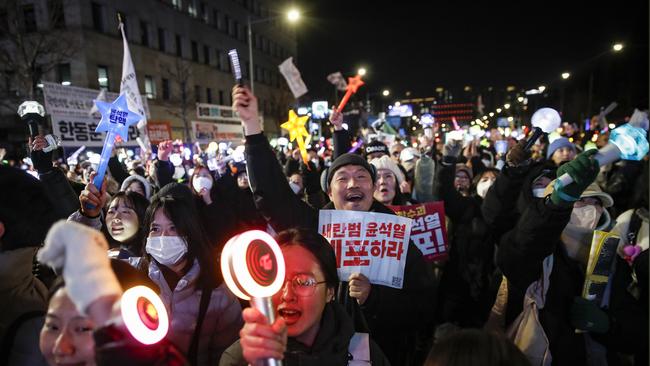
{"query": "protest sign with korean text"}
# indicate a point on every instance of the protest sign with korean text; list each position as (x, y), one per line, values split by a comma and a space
(428, 231)
(68, 107)
(370, 243)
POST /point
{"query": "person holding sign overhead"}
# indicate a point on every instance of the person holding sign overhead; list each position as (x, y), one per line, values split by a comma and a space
(394, 315)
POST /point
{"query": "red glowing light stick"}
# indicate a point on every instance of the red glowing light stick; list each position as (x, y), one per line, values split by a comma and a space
(253, 269)
(353, 84)
(144, 315)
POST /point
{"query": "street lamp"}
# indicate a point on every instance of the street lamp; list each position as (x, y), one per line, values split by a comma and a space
(617, 47)
(565, 75)
(362, 71)
(385, 93)
(292, 16)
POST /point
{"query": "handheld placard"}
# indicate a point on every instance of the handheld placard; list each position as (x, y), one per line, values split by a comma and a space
(544, 120)
(353, 85)
(625, 142)
(116, 119)
(235, 66)
(253, 269)
(144, 315)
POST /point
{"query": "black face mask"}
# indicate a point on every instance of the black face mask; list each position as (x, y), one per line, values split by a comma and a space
(114, 346)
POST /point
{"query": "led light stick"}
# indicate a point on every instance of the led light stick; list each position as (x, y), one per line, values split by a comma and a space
(144, 315)
(353, 84)
(116, 119)
(235, 66)
(253, 269)
(625, 142)
(545, 120)
(296, 127)
(32, 112)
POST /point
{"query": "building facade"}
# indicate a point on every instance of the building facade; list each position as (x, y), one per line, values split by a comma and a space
(179, 50)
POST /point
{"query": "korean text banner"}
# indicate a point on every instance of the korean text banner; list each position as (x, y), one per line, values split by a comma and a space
(428, 231)
(374, 244)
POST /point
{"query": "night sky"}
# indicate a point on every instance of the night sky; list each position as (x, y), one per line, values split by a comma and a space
(419, 45)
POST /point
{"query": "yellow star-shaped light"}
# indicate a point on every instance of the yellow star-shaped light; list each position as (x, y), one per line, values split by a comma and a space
(296, 127)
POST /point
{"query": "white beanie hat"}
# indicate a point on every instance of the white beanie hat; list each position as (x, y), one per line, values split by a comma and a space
(385, 162)
(139, 178)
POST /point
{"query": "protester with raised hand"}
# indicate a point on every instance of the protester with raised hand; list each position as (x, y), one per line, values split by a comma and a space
(394, 315)
(538, 241)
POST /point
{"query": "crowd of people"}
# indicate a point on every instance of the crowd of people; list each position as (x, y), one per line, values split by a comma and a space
(510, 291)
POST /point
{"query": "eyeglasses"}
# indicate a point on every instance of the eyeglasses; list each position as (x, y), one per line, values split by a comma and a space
(303, 285)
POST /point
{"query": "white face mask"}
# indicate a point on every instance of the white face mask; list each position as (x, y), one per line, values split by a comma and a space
(294, 187)
(166, 250)
(201, 182)
(539, 192)
(483, 186)
(585, 217)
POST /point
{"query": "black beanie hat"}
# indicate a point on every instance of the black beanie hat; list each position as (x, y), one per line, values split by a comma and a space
(349, 159)
(376, 146)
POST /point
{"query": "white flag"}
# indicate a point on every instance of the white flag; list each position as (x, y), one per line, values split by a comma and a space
(338, 80)
(292, 75)
(129, 87)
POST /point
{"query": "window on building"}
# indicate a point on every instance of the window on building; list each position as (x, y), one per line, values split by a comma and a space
(165, 89)
(161, 39)
(229, 25)
(57, 15)
(177, 4)
(4, 22)
(206, 54)
(149, 87)
(197, 93)
(236, 32)
(63, 74)
(191, 8)
(221, 97)
(195, 51)
(219, 55)
(98, 16)
(144, 33)
(29, 18)
(204, 12)
(102, 77)
(216, 19)
(179, 46)
(208, 95)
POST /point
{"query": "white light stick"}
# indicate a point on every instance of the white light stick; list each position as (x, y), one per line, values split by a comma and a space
(144, 315)
(625, 142)
(545, 120)
(253, 269)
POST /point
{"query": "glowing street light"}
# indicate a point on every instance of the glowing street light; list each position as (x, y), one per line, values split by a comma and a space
(565, 75)
(293, 15)
(617, 47)
(362, 71)
(541, 88)
(385, 93)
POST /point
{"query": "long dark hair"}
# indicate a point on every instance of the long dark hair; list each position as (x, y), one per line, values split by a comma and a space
(139, 204)
(184, 215)
(317, 245)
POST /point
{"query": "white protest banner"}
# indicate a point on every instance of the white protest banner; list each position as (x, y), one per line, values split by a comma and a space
(428, 231)
(206, 132)
(374, 244)
(292, 75)
(338, 80)
(68, 107)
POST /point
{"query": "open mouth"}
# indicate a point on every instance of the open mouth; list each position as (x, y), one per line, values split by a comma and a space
(354, 197)
(117, 229)
(383, 190)
(290, 316)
